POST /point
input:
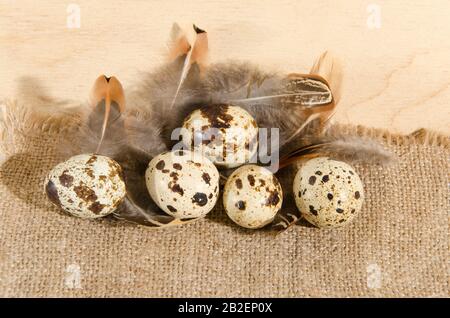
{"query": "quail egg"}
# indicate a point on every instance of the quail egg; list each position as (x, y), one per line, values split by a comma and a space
(182, 183)
(226, 134)
(252, 196)
(327, 192)
(87, 185)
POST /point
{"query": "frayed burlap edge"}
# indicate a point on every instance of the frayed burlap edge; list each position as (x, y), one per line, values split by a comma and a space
(17, 118)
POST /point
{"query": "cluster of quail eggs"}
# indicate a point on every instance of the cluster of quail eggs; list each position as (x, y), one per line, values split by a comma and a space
(185, 183)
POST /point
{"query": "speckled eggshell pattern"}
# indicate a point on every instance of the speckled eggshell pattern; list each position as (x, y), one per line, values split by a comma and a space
(88, 186)
(234, 141)
(252, 196)
(183, 184)
(327, 192)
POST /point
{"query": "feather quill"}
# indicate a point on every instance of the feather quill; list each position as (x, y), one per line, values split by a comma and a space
(107, 92)
(196, 54)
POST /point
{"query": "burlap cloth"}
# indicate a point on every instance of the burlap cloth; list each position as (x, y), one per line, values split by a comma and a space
(397, 246)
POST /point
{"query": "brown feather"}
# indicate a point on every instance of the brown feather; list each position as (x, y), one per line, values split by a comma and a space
(196, 55)
(178, 43)
(107, 91)
(330, 68)
(345, 148)
(200, 48)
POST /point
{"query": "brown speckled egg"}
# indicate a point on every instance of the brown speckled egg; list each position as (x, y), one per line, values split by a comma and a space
(227, 135)
(87, 185)
(252, 196)
(327, 192)
(183, 184)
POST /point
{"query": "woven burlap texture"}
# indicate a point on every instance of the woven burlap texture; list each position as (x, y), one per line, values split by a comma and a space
(397, 246)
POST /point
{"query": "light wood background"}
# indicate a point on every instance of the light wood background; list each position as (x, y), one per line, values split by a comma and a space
(396, 76)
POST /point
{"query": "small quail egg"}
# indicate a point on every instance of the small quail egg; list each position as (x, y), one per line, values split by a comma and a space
(226, 134)
(87, 185)
(182, 183)
(327, 192)
(252, 196)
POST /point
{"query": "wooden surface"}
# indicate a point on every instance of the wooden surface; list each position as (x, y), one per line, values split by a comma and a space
(397, 76)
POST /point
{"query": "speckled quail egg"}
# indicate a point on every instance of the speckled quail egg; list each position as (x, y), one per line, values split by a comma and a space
(227, 135)
(252, 196)
(182, 183)
(327, 192)
(87, 185)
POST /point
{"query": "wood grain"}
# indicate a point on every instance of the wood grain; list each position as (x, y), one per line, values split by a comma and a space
(396, 76)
